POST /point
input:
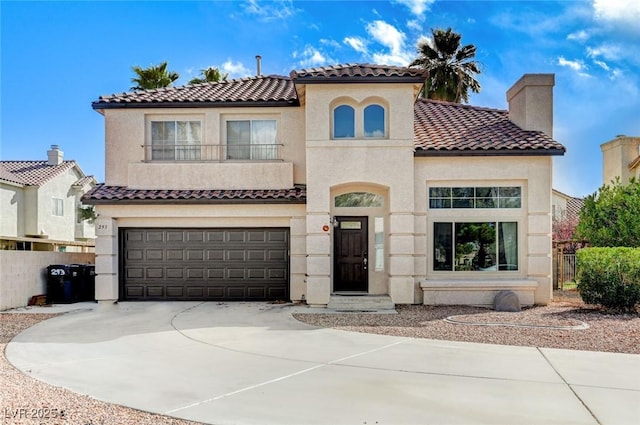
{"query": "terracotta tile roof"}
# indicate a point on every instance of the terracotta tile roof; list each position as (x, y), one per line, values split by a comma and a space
(102, 194)
(351, 72)
(444, 128)
(263, 89)
(32, 173)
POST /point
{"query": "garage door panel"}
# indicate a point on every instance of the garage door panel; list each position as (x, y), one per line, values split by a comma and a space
(205, 264)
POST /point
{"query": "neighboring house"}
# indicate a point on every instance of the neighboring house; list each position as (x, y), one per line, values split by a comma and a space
(330, 182)
(565, 207)
(621, 159)
(40, 201)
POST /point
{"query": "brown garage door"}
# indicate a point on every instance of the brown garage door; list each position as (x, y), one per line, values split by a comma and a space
(205, 264)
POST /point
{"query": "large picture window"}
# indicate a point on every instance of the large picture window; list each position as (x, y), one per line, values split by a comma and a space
(475, 197)
(175, 140)
(251, 140)
(477, 246)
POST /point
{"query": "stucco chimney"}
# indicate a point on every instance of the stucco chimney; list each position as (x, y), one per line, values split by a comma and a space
(54, 155)
(531, 102)
(258, 65)
(617, 155)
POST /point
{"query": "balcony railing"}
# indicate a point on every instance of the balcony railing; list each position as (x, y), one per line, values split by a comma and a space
(215, 153)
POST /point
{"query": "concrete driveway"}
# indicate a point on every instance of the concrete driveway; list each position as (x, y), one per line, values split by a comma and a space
(252, 363)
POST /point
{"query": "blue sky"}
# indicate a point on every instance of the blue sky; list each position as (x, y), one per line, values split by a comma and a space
(58, 57)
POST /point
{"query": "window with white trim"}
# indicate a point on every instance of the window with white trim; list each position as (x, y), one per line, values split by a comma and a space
(57, 207)
(176, 140)
(251, 140)
(475, 197)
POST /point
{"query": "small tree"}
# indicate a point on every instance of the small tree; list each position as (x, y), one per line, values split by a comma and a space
(154, 77)
(209, 75)
(564, 227)
(611, 216)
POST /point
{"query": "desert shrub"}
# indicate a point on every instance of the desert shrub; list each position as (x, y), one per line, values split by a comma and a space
(610, 277)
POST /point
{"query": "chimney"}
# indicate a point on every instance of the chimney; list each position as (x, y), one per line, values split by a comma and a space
(531, 102)
(258, 65)
(54, 155)
(617, 157)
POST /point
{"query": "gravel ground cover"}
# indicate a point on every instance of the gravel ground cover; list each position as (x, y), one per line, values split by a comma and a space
(534, 327)
(23, 397)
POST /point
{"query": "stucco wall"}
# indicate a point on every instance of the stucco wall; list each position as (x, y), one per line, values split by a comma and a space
(127, 130)
(534, 218)
(57, 227)
(23, 273)
(11, 205)
(206, 216)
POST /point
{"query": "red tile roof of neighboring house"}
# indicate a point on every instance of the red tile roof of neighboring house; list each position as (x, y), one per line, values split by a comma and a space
(264, 90)
(574, 206)
(356, 72)
(444, 128)
(32, 173)
(102, 194)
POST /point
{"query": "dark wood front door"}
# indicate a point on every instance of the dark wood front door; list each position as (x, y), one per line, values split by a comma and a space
(350, 255)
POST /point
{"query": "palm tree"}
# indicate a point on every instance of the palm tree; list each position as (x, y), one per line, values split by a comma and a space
(210, 75)
(451, 68)
(154, 77)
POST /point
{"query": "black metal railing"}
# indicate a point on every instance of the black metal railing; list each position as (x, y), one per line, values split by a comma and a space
(212, 153)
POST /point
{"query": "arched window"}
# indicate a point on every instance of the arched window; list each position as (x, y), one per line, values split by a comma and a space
(374, 121)
(359, 199)
(344, 122)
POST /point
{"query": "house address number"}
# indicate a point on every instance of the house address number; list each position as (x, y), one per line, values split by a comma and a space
(103, 227)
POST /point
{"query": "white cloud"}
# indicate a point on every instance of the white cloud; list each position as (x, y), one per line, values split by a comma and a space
(607, 51)
(393, 39)
(270, 10)
(311, 57)
(581, 35)
(356, 43)
(602, 65)
(623, 11)
(417, 7)
(576, 65)
(235, 70)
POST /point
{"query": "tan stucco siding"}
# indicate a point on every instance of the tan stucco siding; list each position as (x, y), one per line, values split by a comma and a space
(533, 174)
(58, 227)
(12, 207)
(114, 217)
(127, 130)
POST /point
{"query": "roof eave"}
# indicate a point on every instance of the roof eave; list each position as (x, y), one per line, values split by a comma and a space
(356, 79)
(90, 201)
(489, 152)
(223, 104)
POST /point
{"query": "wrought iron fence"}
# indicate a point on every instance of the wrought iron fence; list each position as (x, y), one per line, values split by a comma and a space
(564, 262)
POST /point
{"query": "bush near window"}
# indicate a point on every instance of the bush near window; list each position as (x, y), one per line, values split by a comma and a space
(610, 216)
(610, 277)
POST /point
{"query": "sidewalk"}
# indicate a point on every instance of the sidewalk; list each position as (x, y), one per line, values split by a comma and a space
(252, 363)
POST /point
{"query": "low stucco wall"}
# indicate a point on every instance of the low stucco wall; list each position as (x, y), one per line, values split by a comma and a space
(23, 273)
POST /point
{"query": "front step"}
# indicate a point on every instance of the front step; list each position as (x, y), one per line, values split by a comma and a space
(366, 303)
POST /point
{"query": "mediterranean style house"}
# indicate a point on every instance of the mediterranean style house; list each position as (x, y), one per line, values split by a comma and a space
(332, 182)
(40, 205)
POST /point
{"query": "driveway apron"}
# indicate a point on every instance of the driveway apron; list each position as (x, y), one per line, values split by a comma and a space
(253, 363)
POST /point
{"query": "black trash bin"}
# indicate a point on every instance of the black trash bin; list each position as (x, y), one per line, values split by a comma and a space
(59, 284)
(88, 283)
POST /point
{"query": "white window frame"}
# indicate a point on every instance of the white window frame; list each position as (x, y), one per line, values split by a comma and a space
(181, 152)
(57, 207)
(255, 151)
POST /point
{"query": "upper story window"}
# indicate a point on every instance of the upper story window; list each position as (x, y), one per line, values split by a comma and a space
(475, 197)
(251, 139)
(57, 207)
(176, 140)
(374, 121)
(344, 125)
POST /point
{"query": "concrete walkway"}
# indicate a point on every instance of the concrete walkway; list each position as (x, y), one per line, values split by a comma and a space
(252, 363)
